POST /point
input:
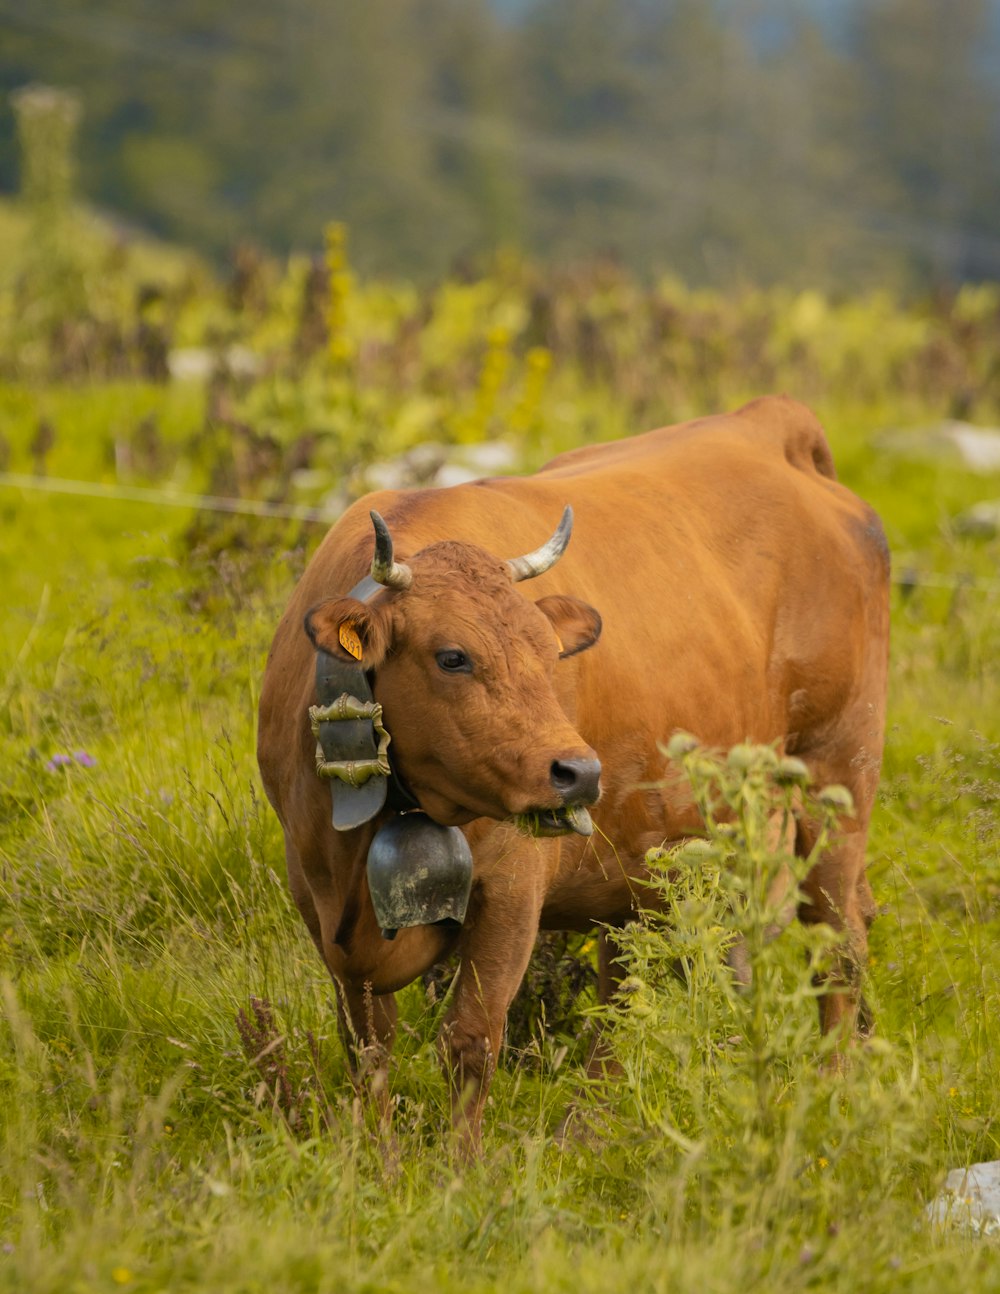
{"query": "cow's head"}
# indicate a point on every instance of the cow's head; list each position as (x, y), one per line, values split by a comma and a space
(463, 666)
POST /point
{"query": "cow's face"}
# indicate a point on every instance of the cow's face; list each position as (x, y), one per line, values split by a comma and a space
(463, 667)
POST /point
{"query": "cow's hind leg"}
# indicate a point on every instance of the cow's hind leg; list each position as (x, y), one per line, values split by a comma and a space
(602, 1067)
(836, 891)
(847, 750)
(837, 894)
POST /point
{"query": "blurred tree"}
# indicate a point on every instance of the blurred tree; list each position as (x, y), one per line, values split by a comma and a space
(470, 63)
(348, 145)
(933, 110)
(758, 138)
(52, 287)
(578, 96)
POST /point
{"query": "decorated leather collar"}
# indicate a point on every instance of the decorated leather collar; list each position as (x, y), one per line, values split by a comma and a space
(352, 743)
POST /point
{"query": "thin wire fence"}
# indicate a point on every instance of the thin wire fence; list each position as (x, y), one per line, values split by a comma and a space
(167, 498)
(908, 578)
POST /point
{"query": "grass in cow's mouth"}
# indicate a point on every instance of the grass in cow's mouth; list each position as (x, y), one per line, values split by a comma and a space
(556, 822)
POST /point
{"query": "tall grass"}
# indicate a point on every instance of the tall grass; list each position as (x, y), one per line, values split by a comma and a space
(174, 1104)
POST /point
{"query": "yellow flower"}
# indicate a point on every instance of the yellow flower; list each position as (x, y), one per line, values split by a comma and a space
(953, 1091)
(823, 1162)
(121, 1275)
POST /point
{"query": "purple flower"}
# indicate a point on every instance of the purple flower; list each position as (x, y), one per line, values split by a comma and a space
(82, 757)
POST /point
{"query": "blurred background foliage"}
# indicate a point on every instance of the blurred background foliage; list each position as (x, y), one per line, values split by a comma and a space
(792, 141)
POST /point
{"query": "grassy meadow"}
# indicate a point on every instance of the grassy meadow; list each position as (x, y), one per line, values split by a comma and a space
(149, 952)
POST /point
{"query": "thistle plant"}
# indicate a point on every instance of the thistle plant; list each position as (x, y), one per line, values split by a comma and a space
(716, 1027)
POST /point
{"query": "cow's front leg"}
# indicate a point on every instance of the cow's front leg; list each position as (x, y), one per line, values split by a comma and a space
(367, 1029)
(366, 981)
(495, 949)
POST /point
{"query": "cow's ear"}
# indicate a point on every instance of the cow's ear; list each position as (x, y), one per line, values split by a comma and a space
(351, 631)
(577, 625)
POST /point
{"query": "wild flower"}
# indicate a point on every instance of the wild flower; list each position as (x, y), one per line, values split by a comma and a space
(62, 760)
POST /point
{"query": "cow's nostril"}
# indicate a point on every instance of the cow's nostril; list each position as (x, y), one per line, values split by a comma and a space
(563, 776)
(577, 780)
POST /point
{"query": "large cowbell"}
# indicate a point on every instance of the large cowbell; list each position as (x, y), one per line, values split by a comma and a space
(419, 874)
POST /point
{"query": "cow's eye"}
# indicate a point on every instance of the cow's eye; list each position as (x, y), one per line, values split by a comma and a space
(453, 661)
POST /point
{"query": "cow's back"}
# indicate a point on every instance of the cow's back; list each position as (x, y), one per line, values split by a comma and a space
(777, 425)
(744, 594)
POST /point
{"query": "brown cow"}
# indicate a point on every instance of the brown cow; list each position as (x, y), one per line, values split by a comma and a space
(743, 594)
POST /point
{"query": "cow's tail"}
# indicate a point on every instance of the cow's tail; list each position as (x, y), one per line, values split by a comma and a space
(799, 432)
(806, 447)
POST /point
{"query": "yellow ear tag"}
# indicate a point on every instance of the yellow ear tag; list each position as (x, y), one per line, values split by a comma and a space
(349, 640)
(561, 647)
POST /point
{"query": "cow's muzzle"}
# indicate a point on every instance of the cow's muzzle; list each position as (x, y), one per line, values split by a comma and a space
(578, 781)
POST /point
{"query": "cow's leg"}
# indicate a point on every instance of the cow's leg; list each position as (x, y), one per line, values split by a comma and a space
(601, 1063)
(367, 1029)
(836, 890)
(868, 909)
(837, 894)
(366, 979)
(610, 973)
(366, 1007)
(495, 948)
(780, 896)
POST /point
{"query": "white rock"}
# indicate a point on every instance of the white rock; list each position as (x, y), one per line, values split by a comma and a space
(981, 520)
(392, 475)
(424, 460)
(979, 446)
(189, 363)
(196, 363)
(489, 457)
(970, 1199)
(242, 361)
(455, 474)
(310, 478)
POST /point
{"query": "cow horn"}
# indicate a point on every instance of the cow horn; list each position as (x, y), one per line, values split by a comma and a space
(542, 559)
(394, 575)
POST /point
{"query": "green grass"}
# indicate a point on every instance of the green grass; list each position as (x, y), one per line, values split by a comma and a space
(142, 905)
